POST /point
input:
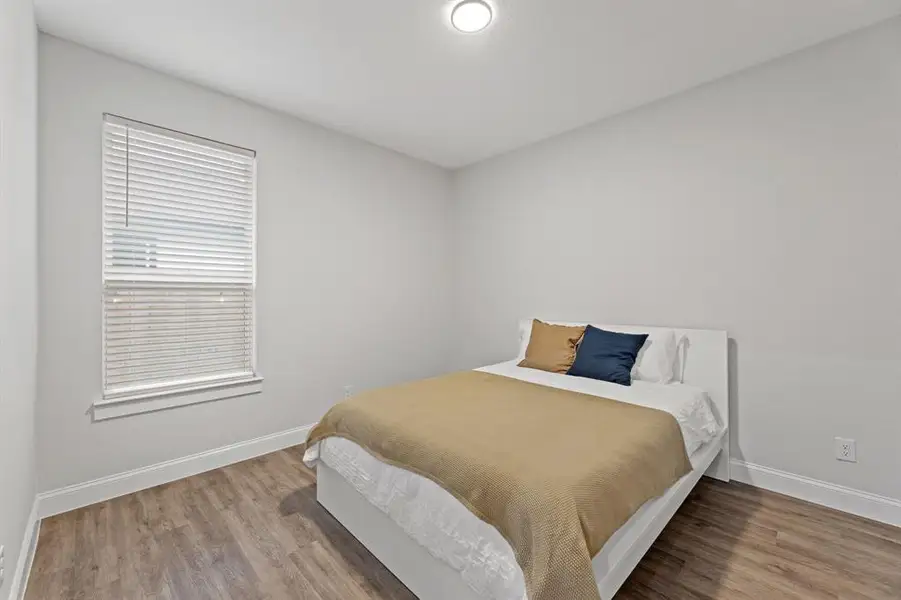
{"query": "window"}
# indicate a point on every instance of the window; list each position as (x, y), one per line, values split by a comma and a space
(178, 269)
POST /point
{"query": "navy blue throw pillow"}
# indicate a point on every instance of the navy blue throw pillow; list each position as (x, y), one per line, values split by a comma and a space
(607, 356)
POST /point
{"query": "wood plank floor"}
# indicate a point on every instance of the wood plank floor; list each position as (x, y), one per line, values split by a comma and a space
(254, 531)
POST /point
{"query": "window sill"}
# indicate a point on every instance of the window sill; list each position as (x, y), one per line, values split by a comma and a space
(150, 402)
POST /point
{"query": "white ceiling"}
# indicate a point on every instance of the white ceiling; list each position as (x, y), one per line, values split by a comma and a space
(394, 73)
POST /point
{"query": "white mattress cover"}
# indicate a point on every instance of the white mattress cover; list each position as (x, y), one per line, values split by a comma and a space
(442, 525)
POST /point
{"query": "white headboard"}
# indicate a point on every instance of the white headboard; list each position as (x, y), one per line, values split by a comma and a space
(706, 366)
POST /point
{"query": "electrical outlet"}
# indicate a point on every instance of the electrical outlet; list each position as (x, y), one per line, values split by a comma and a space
(845, 450)
(348, 391)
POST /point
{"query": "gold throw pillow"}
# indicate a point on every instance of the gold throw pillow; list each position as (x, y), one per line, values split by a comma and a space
(552, 347)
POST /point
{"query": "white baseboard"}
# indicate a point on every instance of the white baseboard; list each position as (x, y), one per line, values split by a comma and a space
(856, 502)
(84, 494)
(26, 554)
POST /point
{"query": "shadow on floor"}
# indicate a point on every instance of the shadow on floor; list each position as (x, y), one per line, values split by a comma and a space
(352, 555)
(692, 556)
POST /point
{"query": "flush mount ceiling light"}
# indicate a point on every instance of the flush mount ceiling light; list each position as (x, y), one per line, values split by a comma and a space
(471, 16)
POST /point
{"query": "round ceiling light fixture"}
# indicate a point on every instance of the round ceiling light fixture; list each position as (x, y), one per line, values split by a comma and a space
(471, 16)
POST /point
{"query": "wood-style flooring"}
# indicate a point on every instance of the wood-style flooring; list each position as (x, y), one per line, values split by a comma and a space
(254, 531)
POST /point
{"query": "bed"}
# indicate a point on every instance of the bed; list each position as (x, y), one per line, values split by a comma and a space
(441, 551)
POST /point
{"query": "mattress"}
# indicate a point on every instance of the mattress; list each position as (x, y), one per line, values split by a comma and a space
(446, 529)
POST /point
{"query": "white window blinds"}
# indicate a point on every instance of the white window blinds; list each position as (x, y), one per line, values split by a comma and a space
(178, 261)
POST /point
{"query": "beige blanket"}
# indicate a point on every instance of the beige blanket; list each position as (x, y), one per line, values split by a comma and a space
(556, 472)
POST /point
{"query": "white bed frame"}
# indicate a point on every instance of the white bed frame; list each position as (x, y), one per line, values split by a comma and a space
(706, 366)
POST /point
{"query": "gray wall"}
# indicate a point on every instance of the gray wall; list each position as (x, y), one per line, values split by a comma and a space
(354, 267)
(18, 273)
(767, 204)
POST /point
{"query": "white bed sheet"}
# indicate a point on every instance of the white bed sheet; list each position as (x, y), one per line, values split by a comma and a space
(442, 525)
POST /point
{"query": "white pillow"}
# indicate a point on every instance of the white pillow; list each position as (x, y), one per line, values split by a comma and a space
(660, 360)
(525, 333)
